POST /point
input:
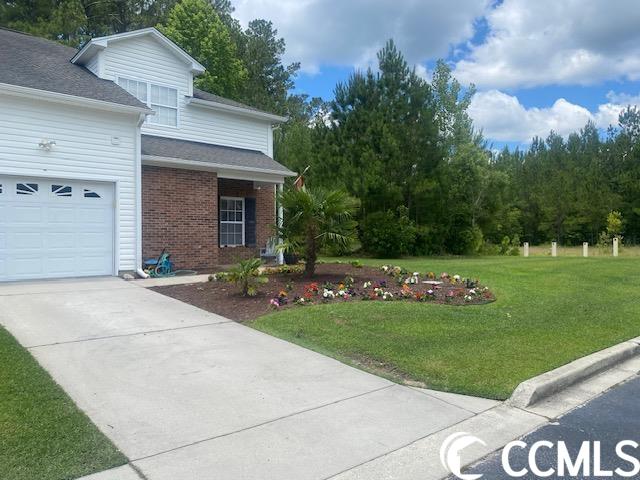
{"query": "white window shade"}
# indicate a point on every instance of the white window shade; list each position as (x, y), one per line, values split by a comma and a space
(162, 100)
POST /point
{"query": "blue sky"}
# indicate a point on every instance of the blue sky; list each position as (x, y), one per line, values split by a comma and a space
(538, 65)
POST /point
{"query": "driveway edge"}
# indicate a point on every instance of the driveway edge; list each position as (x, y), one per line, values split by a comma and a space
(550, 383)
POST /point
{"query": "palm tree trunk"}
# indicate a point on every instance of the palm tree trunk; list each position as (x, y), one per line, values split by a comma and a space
(311, 254)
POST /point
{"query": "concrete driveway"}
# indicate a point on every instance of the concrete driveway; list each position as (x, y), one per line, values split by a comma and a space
(187, 394)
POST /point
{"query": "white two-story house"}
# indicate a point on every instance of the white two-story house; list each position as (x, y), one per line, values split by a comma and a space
(108, 155)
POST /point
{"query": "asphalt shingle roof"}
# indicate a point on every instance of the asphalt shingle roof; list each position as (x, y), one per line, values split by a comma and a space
(212, 97)
(204, 152)
(35, 62)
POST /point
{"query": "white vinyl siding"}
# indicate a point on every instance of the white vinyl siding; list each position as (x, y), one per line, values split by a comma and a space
(93, 65)
(231, 221)
(145, 59)
(90, 145)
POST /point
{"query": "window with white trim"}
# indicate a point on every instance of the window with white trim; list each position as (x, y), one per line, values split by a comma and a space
(135, 88)
(162, 100)
(231, 221)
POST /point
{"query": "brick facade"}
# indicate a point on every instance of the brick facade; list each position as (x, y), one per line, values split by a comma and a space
(180, 212)
(265, 217)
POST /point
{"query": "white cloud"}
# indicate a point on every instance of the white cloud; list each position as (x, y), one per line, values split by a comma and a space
(350, 32)
(503, 118)
(542, 42)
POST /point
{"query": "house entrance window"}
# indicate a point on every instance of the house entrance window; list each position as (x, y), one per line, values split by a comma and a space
(231, 221)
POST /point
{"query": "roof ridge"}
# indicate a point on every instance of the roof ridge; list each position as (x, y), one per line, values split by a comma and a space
(13, 30)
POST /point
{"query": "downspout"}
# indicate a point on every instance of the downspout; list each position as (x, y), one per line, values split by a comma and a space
(280, 215)
(141, 273)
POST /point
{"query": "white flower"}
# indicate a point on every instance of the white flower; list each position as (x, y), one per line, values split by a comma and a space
(468, 298)
(328, 293)
(456, 278)
(366, 285)
(416, 274)
(472, 291)
(430, 292)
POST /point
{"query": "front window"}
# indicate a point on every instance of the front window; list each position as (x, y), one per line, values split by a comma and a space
(162, 100)
(231, 221)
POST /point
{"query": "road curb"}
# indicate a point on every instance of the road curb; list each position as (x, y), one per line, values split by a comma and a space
(537, 388)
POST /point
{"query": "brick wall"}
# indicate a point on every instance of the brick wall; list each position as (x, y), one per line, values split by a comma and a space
(265, 217)
(180, 212)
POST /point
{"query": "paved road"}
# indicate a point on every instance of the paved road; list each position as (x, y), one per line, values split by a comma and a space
(612, 417)
(189, 395)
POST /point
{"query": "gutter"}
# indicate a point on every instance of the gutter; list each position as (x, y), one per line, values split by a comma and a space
(157, 160)
(31, 93)
(247, 112)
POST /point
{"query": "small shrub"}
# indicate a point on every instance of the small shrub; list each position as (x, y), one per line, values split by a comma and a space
(247, 276)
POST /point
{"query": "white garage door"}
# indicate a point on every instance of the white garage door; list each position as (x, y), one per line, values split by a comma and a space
(55, 228)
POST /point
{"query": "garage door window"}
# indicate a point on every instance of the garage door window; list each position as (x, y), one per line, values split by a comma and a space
(61, 190)
(90, 194)
(26, 188)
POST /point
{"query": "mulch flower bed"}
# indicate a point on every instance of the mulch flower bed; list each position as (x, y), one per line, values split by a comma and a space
(333, 283)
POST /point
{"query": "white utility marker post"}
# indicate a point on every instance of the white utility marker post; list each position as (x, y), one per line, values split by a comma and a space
(526, 249)
(554, 249)
(615, 246)
(585, 249)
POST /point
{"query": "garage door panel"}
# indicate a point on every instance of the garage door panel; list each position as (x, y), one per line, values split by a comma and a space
(61, 215)
(26, 266)
(60, 265)
(94, 216)
(25, 214)
(50, 234)
(19, 241)
(93, 264)
(60, 239)
(95, 240)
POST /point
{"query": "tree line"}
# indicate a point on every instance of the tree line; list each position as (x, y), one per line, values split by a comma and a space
(404, 146)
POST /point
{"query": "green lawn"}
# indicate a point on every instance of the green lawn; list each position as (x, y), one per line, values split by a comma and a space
(549, 311)
(43, 435)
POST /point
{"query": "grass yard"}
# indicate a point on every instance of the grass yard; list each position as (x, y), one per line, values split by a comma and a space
(549, 311)
(43, 435)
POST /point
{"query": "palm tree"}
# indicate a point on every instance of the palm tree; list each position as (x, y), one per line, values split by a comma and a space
(314, 219)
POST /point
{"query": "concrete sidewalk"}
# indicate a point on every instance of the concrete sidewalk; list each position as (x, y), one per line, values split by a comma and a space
(187, 394)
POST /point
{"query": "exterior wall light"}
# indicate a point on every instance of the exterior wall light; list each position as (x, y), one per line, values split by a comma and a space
(47, 144)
